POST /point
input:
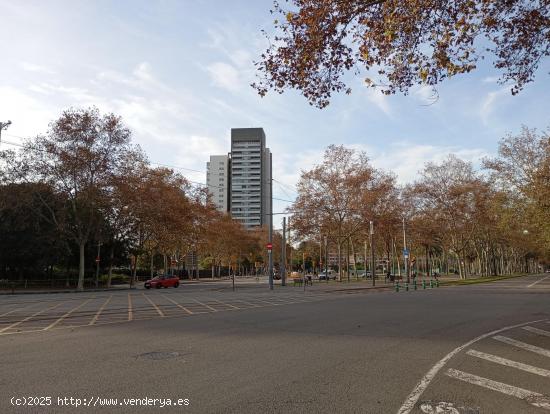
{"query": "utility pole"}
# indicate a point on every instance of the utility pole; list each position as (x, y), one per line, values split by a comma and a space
(326, 257)
(290, 245)
(3, 125)
(373, 264)
(406, 253)
(283, 255)
(365, 259)
(97, 264)
(304, 268)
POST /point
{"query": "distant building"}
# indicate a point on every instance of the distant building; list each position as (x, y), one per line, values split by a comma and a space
(250, 174)
(217, 180)
(240, 182)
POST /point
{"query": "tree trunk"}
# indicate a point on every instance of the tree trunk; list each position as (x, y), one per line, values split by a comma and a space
(110, 272)
(81, 246)
(339, 260)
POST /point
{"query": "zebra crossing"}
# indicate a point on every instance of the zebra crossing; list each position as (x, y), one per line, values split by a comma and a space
(514, 365)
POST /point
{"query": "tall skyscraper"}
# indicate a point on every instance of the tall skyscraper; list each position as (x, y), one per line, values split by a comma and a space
(250, 175)
(217, 180)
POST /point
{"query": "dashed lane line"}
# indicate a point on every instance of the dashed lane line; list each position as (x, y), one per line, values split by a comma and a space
(538, 281)
(533, 398)
(161, 313)
(537, 331)
(523, 345)
(509, 363)
(66, 315)
(96, 317)
(13, 325)
(205, 305)
(177, 304)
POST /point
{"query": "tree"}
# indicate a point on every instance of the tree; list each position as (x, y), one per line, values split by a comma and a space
(406, 42)
(337, 197)
(77, 159)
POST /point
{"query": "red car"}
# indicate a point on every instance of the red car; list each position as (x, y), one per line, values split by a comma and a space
(162, 281)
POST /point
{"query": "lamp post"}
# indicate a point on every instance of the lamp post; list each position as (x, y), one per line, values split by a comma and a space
(373, 264)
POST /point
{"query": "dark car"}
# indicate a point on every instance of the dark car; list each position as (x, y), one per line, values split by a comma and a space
(162, 281)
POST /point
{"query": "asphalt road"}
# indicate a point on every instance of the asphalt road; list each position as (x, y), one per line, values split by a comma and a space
(470, 349)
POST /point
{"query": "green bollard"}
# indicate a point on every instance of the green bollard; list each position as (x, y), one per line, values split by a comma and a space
(423, 284)
(397, 287)
(431, 283)
(414, 283)
(406, 287)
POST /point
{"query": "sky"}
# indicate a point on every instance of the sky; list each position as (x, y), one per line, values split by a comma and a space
(179, 74)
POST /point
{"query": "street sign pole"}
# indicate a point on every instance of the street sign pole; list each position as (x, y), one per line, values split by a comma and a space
(373, 264)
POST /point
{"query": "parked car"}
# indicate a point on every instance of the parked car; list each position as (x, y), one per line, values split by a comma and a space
(324, 276)
(162, 281)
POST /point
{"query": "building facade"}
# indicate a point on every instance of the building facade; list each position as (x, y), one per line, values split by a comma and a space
(217, 180)
(250, 175)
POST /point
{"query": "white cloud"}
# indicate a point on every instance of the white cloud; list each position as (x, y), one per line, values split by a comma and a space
(406, 159)
(491, 100)
(32, 67)
(225, 76)
(380, 100)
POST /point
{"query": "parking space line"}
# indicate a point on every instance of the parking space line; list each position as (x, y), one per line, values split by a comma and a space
(204, 304)
(538, 281)
(509, 363)
(247, 303)
(154, 305)
(226, 304)
(15, 310)
(523, 345)
(130, 310)
(177, 304)
(66, 315)
(96, 317)
(533, 398)
(265, 301)
(537, 331)
(29, 317)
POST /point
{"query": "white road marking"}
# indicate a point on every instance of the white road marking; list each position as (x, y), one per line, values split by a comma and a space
(533, 398)
(538, 281)
(50, 326)
(204, 304)
(13, 325)
(523, 345)
(537, 331)
(509, 363)
(161, 313)
(415, 394)
(226, 304)
(177, 304)
(96, 317)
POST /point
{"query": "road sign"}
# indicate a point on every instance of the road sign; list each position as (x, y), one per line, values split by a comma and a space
(406, 252)
(269, 246)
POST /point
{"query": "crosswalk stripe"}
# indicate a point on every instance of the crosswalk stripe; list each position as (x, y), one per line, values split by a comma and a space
(533, 398)
(537, 331)
(509, 363)
(523, 345)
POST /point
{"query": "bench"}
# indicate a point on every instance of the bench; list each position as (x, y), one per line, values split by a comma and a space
(298, 281)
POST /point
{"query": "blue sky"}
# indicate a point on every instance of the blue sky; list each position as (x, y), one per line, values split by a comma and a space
(178, 72)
